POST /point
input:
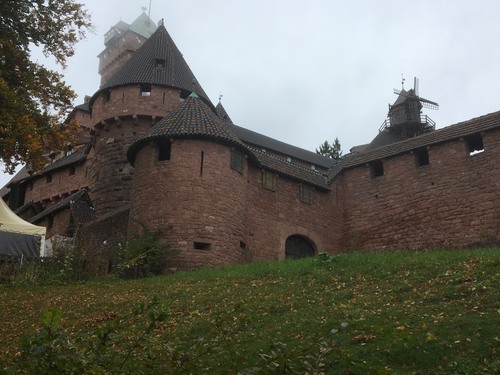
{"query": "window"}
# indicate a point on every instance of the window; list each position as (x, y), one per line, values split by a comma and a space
(377, 168)
(48, 178)
(422, 156)
(306, 194)
(237, 159)
(72, 170)
(268, 180)
(475, 144)
(145, 89)
(106, 96)
(160, 63)
(164, 149)
(202, 245)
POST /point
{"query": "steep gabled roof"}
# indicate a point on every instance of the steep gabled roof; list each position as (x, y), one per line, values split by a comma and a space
(192, 119)
(157, 62)
(79, 203)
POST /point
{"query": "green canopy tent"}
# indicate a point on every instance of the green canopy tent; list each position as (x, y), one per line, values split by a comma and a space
(18, 237)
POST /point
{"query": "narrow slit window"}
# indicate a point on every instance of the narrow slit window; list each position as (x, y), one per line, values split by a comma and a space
(377, 168)
(422, 156)
(145, 89)
(72, 170)
(48, 178)
(164, 149)
(475, 144)
(202, 157)
(268, 180)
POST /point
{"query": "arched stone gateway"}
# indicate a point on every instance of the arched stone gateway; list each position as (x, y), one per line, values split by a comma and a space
(298, 247)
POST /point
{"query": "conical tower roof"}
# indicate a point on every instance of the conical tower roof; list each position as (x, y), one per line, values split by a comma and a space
(157, 62)
(192, 119)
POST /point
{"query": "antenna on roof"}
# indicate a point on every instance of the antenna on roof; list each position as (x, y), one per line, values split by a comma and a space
(402, 82)
(220, 97)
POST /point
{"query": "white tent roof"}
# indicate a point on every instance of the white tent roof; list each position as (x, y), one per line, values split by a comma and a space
(10, 222)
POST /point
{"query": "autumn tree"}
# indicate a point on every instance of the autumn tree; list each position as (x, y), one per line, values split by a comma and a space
(35, 101)
(333, 150)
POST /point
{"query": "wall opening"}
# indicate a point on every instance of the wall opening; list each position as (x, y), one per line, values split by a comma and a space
(145, 89)
(297, 247)
(306, 194)
(164, 149)
(106, 96)
(422, 156)
(475, 144)
(377, 168)
(237, 159)
(202, 245)
(268, 180)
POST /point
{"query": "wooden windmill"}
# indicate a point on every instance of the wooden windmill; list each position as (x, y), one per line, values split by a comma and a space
(405, 115)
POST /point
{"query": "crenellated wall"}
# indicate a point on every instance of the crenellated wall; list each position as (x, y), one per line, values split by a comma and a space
(454, 201)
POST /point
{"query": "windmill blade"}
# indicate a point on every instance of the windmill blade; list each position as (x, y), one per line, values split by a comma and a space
(415, 85)
(429, 103)
(397, 92)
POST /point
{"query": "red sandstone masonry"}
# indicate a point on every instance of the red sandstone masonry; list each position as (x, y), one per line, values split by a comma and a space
(191, 203)
(452, 202)
(116, 129)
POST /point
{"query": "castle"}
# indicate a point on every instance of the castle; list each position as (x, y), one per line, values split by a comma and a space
(153, 149)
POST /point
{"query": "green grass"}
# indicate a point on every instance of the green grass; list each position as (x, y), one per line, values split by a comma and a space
(432, 312)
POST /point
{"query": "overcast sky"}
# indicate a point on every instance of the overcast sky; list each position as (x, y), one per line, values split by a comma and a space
(304, 72)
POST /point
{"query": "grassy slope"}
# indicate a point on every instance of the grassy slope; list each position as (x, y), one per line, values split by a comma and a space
(425, 312)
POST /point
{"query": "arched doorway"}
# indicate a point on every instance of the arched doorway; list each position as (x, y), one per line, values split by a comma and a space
(297, 247)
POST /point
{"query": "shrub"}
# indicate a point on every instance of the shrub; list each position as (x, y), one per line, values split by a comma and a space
(144, 254)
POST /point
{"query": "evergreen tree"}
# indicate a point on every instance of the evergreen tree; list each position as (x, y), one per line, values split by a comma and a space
(333, 150)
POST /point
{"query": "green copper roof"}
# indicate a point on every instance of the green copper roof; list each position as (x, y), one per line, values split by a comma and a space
(143, 25)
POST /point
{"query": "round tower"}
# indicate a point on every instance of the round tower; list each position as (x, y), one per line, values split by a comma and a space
(155, 80)
(191, 183)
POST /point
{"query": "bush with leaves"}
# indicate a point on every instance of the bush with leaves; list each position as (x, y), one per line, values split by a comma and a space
(144, 254)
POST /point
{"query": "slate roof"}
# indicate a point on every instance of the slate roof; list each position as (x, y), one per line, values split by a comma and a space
(75, 157)
(193, 119)
(291, 170)
(462, 129)
(145, 67)
(258, 140)
(79, 203)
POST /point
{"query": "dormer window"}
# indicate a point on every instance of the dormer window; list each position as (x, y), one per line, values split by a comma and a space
(145, 89)
(160, 63)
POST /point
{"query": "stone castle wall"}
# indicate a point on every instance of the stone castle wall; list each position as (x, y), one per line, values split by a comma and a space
(61, 183)
(117, 127)
(454, 201)
(197, 201)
